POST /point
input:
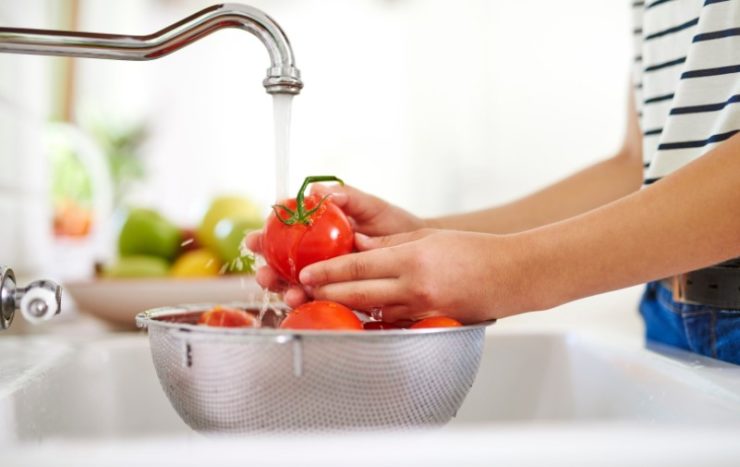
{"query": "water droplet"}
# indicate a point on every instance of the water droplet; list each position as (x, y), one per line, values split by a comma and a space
(376, 313)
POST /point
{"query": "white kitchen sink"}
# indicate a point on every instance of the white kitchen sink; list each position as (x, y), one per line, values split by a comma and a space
(562, 377)
(108, 388)
(57, 394)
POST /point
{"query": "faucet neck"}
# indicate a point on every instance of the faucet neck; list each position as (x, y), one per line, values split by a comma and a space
(282, 77)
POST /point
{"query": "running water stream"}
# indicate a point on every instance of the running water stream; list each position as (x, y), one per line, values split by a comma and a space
(281, 113)
(281, 118)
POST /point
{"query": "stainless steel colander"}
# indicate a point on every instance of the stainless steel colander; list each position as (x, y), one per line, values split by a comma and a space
(273, 380)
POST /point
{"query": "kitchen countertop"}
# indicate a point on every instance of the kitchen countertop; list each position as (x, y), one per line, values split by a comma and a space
(614, 313)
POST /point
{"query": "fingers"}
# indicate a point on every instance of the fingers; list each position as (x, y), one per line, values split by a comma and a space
(338, 197)
(292, 295)
(357, 204)
(365, 243)
(269, 279)
(295, 296)
(361, 295)
(253, 241)
(266, 277)
(336, 192)
(404, 314)
(375, 264)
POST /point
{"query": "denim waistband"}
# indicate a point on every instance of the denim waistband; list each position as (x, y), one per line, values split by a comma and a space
(703, 329)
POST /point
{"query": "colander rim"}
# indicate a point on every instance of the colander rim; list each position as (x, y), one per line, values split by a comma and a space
(152, 318)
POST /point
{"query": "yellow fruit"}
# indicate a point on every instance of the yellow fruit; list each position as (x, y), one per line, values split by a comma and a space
(232, 207)
(196, 263)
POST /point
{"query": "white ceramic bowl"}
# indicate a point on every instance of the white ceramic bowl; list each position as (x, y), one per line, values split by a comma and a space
(117, 301)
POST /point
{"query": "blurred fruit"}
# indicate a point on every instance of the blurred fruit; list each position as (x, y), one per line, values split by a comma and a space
(229, 235)
(188, 240)
(197, 263)
(71, 219)
(146, 232)
(137, 266)
(226, 207)
(227, 318)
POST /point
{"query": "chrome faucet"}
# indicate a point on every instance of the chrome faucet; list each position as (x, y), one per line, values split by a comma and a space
(282, 76)
(41, 300)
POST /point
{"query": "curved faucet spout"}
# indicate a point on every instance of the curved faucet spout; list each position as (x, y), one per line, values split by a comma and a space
(282, 77)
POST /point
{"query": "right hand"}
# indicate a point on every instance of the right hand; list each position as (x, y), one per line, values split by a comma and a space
(368, 215)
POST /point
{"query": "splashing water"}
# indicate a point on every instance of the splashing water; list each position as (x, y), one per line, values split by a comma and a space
(265, 305)
(269, 301)
(376, 313)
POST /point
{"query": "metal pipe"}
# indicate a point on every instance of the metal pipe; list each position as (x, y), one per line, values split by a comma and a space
(282, 76)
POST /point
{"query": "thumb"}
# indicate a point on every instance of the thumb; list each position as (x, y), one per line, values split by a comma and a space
(357, 204)
(335, 192)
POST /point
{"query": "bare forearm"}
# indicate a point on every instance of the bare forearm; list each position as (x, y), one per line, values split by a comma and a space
(688, 220)
(590, 188)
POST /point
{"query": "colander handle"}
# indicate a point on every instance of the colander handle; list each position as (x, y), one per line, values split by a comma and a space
(297, 342)
(297, 356)
(185, 336)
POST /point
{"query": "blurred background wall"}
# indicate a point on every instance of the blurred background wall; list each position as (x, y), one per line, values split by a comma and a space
(435, 105)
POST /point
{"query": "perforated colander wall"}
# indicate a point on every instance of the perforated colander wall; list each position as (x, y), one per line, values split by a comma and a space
(315, 382)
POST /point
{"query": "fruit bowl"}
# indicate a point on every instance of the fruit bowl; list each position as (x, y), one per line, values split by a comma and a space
(118, 301)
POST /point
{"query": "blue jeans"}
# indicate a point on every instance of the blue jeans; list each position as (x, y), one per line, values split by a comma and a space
(706, 330)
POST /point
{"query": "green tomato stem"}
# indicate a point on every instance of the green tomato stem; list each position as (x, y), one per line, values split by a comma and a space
(300, 214)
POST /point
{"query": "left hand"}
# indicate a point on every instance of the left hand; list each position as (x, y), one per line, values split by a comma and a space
(468, 276)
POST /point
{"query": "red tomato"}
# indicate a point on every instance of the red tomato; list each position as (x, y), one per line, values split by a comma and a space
(379, 326)
(227, 318)
(436, 322)
(302, 231)
(322, 315)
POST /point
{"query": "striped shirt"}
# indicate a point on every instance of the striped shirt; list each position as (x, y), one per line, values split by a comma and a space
(686, 78)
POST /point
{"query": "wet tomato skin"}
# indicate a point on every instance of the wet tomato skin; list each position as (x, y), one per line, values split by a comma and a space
(289, 248)
(322, 314)
(436, 322)
(225, 317)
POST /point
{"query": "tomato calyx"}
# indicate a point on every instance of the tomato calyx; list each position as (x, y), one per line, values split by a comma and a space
(300, 215)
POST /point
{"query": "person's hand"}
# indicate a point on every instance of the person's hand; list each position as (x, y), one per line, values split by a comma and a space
(367, 214)
(468, 276)
(268, 278)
